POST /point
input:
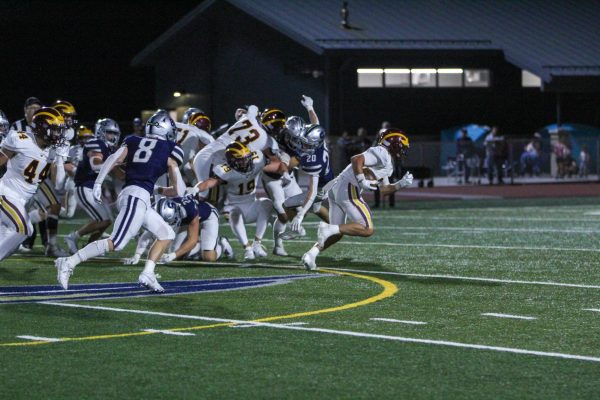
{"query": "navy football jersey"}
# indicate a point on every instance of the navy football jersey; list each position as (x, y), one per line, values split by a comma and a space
(147, 160)
(317, 164)
(193, 208)
(85, 176)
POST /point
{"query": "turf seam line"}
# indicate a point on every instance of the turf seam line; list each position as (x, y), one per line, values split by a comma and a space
(511, 316)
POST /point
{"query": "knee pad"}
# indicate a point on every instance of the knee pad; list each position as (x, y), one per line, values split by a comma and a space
(316, 206)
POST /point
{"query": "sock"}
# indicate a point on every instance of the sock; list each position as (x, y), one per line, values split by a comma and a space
(335, 229)
(52, 225)
(314, 251)
(93, 249)
(75, 235)
(219, 250)
(236, 221)
(149, 267)
(34, 216)
(43, 232)
(278, 228)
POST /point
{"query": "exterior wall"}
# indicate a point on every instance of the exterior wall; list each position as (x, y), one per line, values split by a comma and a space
(424, 112)
(254, 64)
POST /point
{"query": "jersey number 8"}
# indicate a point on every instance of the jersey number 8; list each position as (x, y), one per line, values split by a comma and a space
(144, 152)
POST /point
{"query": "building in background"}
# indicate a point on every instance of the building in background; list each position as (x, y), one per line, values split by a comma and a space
(423, 65)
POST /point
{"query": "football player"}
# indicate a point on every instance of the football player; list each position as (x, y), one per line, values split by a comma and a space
(48, 195)
(4, 126)
(239, 174)
(349, 214)
(192, 137)
(95, 152)
(29, 163)
(247, 130)
(146, 158)
(69, 203)
(190, 216)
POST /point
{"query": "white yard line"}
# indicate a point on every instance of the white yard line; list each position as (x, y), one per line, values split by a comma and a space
(455, 246)
(508, 316)
(591, 309)
(255, 325)
(166, 332)
(399, 321)
(352, 334)
(472, 278)
(39, 338)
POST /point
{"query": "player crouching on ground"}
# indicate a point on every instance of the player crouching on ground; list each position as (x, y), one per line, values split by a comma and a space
(190, 217)
(345, 200)
(147, 158)
(29, 163)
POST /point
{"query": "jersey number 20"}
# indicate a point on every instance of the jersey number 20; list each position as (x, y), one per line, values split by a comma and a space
(144, 151)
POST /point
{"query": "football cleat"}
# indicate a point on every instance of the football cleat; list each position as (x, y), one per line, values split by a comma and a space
(24, 249)
(149, 280)
(226, 246)
(64, 270)
(259, 250)
(280, 251)
(309, 261)
(249, 253)
(53, 250)
(71, 243)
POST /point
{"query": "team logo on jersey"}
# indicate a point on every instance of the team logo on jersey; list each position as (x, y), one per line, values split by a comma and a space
(36, 294)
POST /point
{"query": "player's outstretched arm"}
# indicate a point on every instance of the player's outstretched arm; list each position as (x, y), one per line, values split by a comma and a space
(307, 102)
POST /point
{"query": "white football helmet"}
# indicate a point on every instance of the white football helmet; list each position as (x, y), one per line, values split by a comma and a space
(161, 126)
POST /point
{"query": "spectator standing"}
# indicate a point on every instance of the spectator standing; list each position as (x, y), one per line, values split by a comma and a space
(584, 161)
(562, 152)
(465, 150)
(495, 147)
(530, 160)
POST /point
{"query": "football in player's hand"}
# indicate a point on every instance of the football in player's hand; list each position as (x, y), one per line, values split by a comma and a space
(369, 175)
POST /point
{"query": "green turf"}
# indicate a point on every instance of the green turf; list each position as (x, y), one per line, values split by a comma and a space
(428, 250)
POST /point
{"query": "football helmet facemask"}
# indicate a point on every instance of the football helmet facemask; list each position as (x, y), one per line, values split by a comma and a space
(310, 139)
(49, 124)
(239, 157)
(395, 141)
(108, 131)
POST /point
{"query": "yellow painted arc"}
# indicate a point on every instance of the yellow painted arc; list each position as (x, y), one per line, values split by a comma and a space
(389, 289)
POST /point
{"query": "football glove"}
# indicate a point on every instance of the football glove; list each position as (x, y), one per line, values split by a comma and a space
(406, 181)
(307, 102)
(133, 260)
(297, 223)
(97, 192)
(366, 184)
(167, 258)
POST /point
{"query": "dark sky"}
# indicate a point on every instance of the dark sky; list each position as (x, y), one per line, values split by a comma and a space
(80, 51)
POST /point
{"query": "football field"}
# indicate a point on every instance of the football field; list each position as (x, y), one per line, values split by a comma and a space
(478, 299)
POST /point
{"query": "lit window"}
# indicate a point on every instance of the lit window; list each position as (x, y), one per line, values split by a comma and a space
(370, 77)
(450, 77)
(397, 77)
(477, 78)
(530, 80)
(423, 77)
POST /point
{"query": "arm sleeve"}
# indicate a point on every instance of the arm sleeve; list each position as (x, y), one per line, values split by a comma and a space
(371, 157)
(177, 155)
(309, 200)
(10, 142)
